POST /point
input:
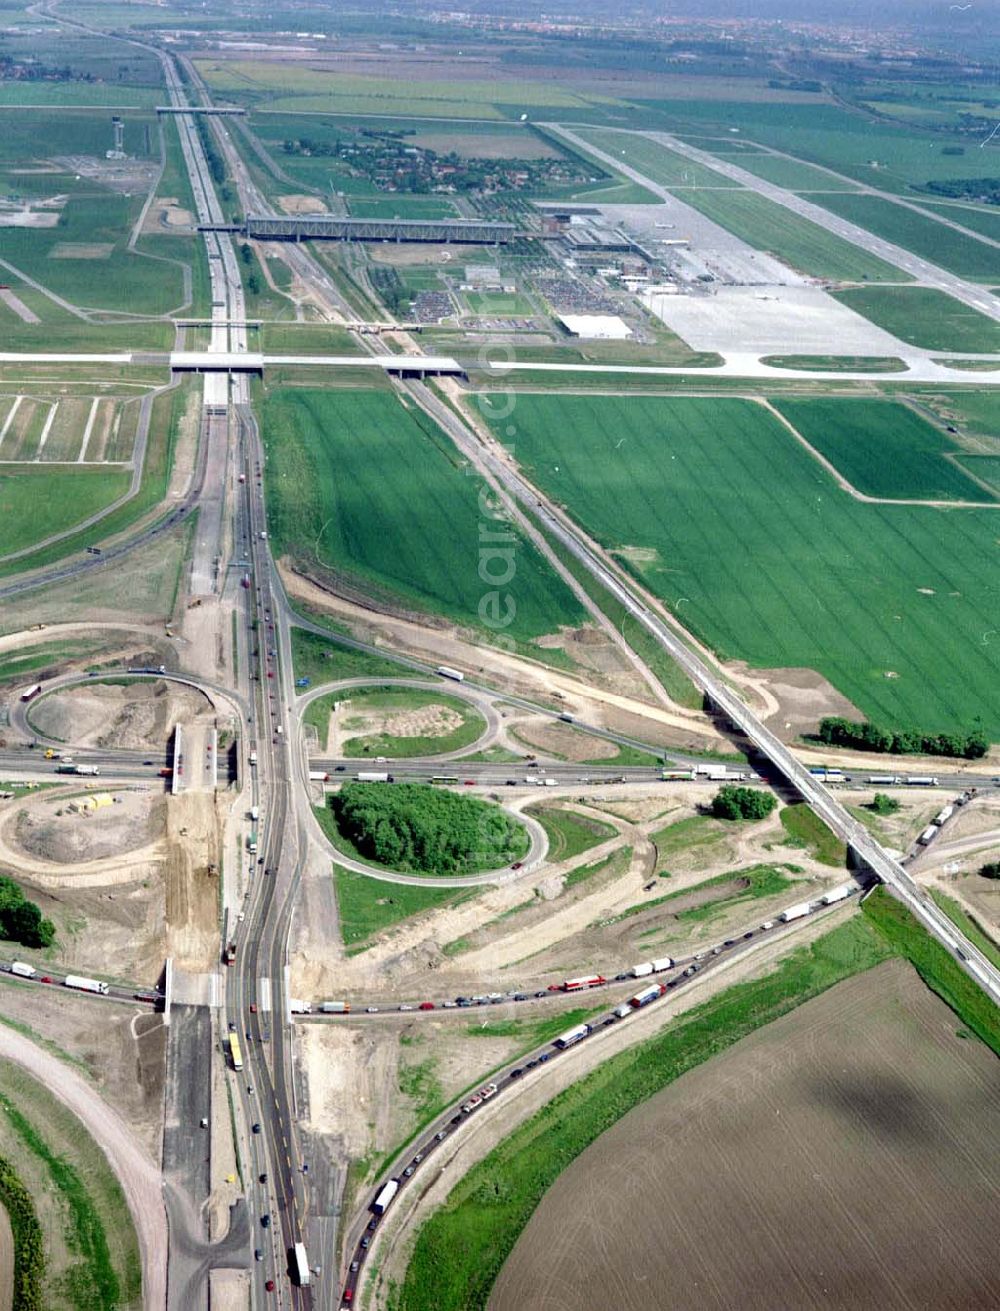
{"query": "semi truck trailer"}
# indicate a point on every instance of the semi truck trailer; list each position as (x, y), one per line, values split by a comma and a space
(795, 912)
(86, 985)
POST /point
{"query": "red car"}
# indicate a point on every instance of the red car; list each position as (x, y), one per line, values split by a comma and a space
(348, 1295)
(45, 979)
(253, 1008)
(517, 864)
(426, 1006)
(270, 1285)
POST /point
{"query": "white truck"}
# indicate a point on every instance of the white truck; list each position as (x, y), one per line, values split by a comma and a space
(892, 779)
(640, 971)
(663, 963)
(837, 894)
(372, 776)
(928, 835)
(943, 816)
(385, 1196)
(711, 771)
(446, 671)
(86, 985)
(299, 1007)
(25, 971)
(336, 1007)
(795, 912)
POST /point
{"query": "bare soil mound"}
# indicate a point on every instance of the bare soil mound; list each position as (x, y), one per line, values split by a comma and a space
(59, 835)
(129, 715)
(563, 741)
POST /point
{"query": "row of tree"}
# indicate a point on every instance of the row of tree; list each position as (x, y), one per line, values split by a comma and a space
(20, 919)
(865, 736)
(414, 826)
(29, 1249)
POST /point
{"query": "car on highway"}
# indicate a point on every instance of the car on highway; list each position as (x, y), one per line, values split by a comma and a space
(348, 1295)
(441, 1135)
(365, 1241)
(516, 1074)
(371, 1010)
(426, 1005)
(253, 1008)
(255, 1127)
(258, 1255)
(405, 1006)
(517, 864)
(269, 1285)
(408, 1171)
(45, 979)
(265, 1221)
(263, 1177)
(355, 1267)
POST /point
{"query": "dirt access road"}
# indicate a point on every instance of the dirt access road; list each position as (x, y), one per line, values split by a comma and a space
(134, 1170)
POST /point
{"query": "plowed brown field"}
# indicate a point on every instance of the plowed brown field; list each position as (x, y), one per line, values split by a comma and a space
(843, 1157)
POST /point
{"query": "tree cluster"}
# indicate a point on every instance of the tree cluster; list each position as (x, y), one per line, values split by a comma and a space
(882, 804)
(985, 190)
(20, 919)
(413, 826)
(991, 870)
(865, 736)
(732, 802)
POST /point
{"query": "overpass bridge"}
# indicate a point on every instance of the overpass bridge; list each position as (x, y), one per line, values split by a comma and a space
(201, 109)
(403, 366)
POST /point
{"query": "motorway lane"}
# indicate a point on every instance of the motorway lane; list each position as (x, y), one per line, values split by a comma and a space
(419, 1154)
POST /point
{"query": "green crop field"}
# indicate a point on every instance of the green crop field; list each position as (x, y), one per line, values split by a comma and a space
(363, 488)
(806, 246)
(882, 448)
(656, 162)
(923, 235)
(723, 514)
(298, 87)
(35, 503)
(925, 317)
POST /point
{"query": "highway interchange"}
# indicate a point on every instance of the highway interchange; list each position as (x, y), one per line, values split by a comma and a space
(278, 784)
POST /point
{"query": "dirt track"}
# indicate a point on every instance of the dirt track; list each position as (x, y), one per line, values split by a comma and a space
(138, 1176)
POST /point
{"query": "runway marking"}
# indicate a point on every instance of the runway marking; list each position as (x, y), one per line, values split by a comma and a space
(88, 430)
(46, 430)
(10, 417)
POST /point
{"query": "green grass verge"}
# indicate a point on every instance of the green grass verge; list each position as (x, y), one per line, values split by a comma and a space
(806, 829)
(323, 659)
(38, 502)
(970, 926)
(925, 317)
(766, 225)
(396, 700)
(935, 966)
(838, 363)
(461, 1248)
(368, 907)
(918, 232)
(569, 832)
